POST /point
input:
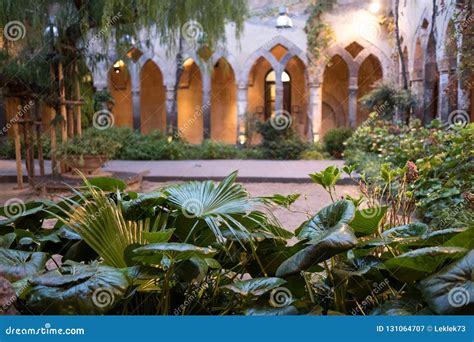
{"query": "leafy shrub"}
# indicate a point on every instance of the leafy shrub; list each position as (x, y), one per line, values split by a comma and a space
(314, 151)
(283, 144)
(235, 255)
(334, 141)
(387, 99)
(443, 158)
(92, 142)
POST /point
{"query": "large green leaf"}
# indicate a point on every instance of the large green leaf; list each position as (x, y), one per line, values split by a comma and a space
(77, 290)
(107, 183)
(464, 239)
(359, 275)
(256, 286)
(332, 216)
(222, 206)
(174, 250)
(16, 265)
(326, 244)
(366, 221)
(451, 290)
(419, 263)
(411, 230)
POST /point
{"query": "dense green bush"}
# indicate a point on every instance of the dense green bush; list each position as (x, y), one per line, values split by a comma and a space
(444, 159)
(92, 142)
(206, 248)
(280, 144)
(158, 146)
(334, 141)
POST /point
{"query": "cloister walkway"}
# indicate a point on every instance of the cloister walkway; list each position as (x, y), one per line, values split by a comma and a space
(277, 171)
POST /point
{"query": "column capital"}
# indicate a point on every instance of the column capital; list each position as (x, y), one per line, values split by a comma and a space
(315, 85)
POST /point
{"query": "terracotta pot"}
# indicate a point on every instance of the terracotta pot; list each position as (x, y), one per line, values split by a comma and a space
(87, 164)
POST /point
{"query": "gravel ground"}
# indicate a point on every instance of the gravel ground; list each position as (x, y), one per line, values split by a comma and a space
(312, 198)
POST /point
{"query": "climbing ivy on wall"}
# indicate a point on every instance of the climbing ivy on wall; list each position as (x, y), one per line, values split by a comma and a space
(318, 33)
(464, 19)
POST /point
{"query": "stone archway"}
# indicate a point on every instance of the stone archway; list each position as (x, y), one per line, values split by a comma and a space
(299, 95)
(335, 94)
(223, 103)
(152, 99)
(120, 87)
(190, 109)
(370, 72)
(256, 96)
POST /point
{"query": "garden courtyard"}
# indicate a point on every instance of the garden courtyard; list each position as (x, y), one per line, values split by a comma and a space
(214, 157)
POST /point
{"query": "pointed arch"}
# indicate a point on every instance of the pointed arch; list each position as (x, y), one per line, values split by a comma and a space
(190, 110)
(223, 102)
(335, 93)
(120, 87)
(370, 72)
(152, 98)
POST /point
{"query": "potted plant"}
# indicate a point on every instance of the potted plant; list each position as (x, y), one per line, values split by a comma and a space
(89, 152)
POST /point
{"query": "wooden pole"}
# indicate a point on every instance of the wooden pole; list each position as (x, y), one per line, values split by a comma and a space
(37, 126)
(54, 148)
(63, 109)
(70, 122)
(19, 170)
(77, 90)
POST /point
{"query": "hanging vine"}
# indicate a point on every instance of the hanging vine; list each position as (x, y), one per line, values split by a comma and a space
(318, 33)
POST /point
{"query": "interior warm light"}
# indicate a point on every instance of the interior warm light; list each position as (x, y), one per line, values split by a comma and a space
(374, 7)
(118, 66)
(188, 62)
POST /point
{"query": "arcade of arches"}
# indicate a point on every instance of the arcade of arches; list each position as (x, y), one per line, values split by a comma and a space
(211, 104)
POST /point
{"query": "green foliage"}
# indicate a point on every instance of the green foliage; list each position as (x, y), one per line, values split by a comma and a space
(92, 142)
(314, 151)
(203, 248)
(334, 141)
(283, 144)
(318, 33)
(387, 100)
(443, 158)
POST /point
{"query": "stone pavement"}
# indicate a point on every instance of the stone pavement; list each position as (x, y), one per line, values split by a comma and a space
(275, 171)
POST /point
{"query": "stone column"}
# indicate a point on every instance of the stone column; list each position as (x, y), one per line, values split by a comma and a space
(171, 118)
(242, 93)
(417, 87)
(352, 102)
(315, 111)
(135, 80)
(278, 90)
(443, 96)
(206, 104)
